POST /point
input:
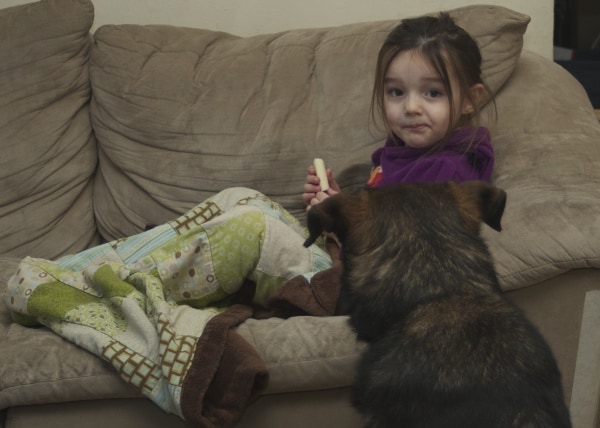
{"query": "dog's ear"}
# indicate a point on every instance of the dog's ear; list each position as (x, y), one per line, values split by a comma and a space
(487, 200)
(328, 216)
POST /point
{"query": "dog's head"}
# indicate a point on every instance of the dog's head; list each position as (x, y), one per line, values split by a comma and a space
(409, 207)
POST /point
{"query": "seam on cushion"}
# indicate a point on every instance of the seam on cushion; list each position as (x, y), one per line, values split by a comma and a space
(593, 302)
(576, 131)
(295, 362)
(541, 266)
(323, 43)
(554, 264)
(115, 375)
(252, 335)
(95, 394)
(4, 330)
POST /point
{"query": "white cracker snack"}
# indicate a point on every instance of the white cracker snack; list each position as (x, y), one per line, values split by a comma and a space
(321, 173)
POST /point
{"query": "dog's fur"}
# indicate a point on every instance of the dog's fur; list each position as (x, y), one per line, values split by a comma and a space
(446, 348)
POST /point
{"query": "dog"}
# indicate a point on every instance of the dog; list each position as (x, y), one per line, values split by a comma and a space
(445, 347)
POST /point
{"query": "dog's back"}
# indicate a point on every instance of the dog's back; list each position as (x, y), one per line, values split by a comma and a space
(447, 349)
(461, 361)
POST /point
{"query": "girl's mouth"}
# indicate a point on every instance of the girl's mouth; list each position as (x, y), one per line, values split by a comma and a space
(416, 127)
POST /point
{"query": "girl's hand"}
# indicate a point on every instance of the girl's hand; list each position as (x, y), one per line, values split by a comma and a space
(312, 190)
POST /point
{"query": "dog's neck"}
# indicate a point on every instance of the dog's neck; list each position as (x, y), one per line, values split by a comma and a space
(410, 277)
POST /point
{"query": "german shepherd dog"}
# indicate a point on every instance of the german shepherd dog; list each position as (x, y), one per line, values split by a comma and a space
(446, 347)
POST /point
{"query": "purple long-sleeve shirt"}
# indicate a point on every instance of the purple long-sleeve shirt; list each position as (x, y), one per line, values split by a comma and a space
(467, 155)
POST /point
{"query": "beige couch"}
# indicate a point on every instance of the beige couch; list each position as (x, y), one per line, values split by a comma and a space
(102, 134)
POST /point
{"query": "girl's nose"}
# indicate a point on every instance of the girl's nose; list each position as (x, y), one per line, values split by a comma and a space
(412, 105)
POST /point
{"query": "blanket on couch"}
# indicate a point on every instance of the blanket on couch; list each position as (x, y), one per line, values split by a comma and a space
(160, 306)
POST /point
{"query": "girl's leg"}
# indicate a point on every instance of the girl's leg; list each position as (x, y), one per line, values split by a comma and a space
(135, 248)
(205, 255)
(211, 259)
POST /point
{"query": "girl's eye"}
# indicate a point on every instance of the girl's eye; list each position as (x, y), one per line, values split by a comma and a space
(434, 93)
(394, 92)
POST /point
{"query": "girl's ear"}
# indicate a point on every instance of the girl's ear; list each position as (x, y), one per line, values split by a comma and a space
(474, 98)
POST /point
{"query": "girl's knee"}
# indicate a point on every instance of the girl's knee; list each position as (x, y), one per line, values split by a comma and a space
(232, 196)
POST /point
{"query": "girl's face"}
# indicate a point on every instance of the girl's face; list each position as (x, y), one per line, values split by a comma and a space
(417, 107)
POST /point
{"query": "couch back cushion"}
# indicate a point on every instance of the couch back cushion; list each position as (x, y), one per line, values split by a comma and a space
(182, 113)
(48, 152)
(548, 160)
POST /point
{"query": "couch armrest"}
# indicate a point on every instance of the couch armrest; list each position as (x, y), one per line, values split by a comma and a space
(585, 398)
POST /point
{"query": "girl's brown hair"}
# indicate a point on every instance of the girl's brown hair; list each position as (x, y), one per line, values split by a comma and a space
(447, 47)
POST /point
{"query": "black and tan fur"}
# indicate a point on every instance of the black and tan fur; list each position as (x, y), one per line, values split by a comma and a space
(446, 347)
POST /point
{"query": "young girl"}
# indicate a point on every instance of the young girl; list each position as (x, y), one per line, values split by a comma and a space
(428, 92)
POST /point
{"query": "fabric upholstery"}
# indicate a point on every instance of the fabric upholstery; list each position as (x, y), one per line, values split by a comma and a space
(48, 148)
(547, 159)
(585, 400)
(301, 353)
(181, 113)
